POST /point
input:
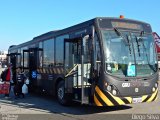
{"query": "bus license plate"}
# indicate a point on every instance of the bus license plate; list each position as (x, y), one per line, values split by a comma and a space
(137, 100)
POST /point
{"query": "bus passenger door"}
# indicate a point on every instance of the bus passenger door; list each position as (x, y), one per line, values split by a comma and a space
(86, 69)
(71, 66)
(77, 70)
(31, 62)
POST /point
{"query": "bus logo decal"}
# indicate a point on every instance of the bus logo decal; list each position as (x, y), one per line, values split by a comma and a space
(34, 74)
(126, 84)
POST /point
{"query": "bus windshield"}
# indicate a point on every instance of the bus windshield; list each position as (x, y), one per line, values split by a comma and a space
(129, 54)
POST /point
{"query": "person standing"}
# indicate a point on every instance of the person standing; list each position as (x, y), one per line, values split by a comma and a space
(7, 77)
(20, 82)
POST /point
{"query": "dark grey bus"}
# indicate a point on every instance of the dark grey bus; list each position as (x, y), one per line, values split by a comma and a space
(103, 62)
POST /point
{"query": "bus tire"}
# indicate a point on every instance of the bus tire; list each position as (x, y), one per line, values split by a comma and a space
(62, 97)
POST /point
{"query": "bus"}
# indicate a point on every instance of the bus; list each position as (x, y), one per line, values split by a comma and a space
(104, 61)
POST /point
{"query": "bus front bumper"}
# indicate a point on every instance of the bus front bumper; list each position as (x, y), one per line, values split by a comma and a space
(105, 98)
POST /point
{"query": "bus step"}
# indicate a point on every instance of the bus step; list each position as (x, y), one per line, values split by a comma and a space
(76, 100)
(79, 101)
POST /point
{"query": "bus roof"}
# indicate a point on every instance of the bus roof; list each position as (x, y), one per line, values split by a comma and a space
(54, 33)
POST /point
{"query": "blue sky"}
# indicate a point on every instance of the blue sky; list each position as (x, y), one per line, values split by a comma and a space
(21, 20)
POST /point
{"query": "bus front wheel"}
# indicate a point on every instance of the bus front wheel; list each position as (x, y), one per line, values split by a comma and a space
(61, 95)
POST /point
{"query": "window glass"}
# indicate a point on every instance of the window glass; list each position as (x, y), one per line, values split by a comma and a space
(19, 58)
(97, 55)
(87, 50)
(40, 45)
(60, 50)
(25, 57)
(40, 64)
(48, 53)
(129, 54)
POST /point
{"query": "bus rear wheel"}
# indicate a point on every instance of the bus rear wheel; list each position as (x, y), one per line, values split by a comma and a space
(62, 97)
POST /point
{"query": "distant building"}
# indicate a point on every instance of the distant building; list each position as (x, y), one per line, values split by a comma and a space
(3, 57)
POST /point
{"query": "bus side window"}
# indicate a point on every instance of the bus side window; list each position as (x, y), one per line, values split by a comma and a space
(59, 47)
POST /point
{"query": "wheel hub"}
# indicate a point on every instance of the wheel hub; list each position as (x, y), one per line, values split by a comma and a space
(60, 93)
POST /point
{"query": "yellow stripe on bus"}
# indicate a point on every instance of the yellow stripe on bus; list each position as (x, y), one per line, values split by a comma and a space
(58, 70)
(50, 71)
(103, 97)
(117, 99)
(144, 97)
(129, 99)
(54, 70)
(97, 101)
(153, 96)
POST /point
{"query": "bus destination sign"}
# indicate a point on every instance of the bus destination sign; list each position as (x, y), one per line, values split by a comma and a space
(127, 25)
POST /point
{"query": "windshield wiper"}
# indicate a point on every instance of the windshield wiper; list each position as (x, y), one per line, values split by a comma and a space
(125, 39)
(129, 44)
(138, 46)
(120, 34)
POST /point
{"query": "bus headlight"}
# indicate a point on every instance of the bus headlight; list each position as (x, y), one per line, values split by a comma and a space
(156, 85)
(153, 89)
(109, 87)
(114, 92)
